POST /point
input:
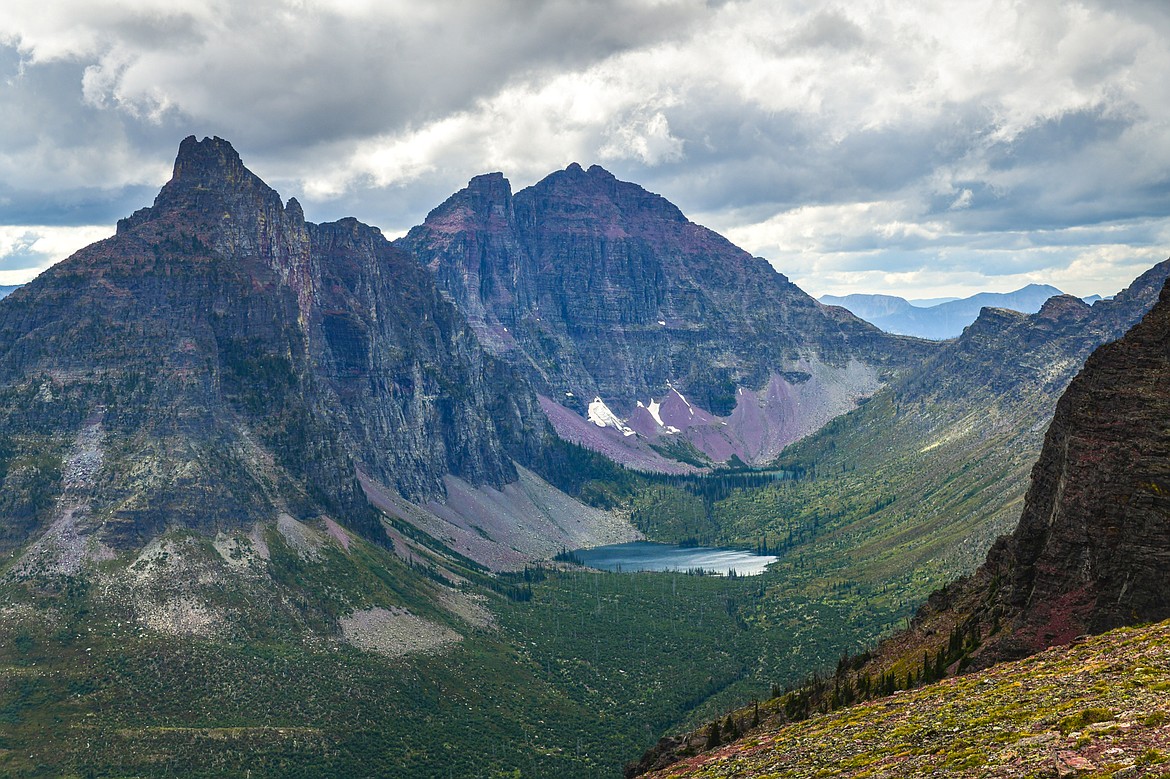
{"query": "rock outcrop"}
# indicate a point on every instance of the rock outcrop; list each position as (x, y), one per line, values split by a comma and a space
(1092, 550)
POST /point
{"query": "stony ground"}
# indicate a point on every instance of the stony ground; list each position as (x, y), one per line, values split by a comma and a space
(1100, 708)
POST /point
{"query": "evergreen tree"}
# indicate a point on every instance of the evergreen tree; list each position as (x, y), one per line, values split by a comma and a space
(713, 739)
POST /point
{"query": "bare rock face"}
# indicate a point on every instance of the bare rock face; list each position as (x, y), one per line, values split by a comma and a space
(595, 288)
(240, 362)
(1092, 550)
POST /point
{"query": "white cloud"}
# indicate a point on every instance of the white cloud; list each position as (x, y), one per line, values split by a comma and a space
(645, 138)
(32, 248)
(831, 138)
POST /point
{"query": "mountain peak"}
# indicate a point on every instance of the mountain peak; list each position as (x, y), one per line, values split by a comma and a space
(594, 171)
(492, 186)
(487, 195)
(210, 168)
(599, 195)
(1059, 306)
(206, 171)
(211, 161)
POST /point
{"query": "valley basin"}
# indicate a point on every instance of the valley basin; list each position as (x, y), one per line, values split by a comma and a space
(651, 556)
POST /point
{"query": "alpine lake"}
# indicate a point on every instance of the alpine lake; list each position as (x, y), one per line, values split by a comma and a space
(651, 556)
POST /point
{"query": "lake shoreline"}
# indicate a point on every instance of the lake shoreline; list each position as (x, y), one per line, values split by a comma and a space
(639, 556)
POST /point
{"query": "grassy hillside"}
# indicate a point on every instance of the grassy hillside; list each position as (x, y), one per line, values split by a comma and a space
(289, 653)
(1099, 708)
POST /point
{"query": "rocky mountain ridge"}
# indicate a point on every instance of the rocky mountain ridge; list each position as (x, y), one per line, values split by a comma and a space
(601, 292)
(224, 361)
(952, 442)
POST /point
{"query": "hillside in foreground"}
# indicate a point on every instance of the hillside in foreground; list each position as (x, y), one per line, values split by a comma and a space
(1097, 708)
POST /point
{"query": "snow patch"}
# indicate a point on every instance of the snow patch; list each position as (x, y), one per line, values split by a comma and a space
(687, 403)
(600, 415)
(654, 408)
(632, 452)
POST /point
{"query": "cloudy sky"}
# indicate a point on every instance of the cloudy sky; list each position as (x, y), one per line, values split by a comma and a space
(912, 147)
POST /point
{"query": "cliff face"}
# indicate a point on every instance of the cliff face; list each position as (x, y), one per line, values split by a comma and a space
(418, 396)
(1092, 550)
(598, 289)
(220, 360)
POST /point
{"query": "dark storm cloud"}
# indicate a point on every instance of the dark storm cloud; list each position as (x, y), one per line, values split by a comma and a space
(886, 143)
(292, 75)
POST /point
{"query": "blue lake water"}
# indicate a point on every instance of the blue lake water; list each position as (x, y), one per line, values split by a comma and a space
(649, 556)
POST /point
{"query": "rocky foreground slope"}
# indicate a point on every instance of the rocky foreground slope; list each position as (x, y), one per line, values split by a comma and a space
(1099, 708)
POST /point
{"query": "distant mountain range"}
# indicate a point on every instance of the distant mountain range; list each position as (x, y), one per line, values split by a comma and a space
(941, 318)
(5, 290)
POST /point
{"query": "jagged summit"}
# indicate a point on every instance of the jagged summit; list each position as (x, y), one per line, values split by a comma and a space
(595, 287)
(486, 195)
(219, 321)
(212, 162)
(596, 194)
(211, 166)
(210, 182)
